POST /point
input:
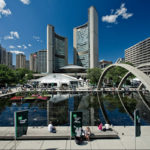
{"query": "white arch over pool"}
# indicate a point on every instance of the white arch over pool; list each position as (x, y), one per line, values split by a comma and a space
(139, 74)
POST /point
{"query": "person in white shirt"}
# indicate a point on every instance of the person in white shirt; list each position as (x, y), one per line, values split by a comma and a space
(51, 128)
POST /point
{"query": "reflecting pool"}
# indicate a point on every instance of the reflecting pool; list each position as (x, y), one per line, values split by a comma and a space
(111, 107)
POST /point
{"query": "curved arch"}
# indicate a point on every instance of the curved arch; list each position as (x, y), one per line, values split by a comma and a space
(140, 86)
(103, 109)
(122, 80)
(144, 100)
(139, 74)
(140, 66)
(130, 115)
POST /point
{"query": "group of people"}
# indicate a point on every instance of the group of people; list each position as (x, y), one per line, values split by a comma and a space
(86, 132)
(80, 134)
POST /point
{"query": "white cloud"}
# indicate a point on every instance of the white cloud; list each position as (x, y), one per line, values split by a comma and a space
(26, 2)
(17, 52)
(11, 47)
(19, 46)
(13, 35)
(24, 46)
(110, 18)
(122, 11)
(4, 11)
(29, 45)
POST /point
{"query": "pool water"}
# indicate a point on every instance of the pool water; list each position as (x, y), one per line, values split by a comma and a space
(114, 108)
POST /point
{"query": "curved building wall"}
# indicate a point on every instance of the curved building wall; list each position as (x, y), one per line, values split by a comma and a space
(60, 52)
(85, 41)
(57, 50)
(82, 46)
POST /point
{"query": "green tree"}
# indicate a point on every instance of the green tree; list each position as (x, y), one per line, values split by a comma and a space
(93, 75)
(10, 76)
(7, 75)
(115, 74)
(23, 75)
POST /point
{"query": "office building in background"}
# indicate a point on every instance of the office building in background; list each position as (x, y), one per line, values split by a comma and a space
(103, 64)
(42, 61)
(9, 59)
(20, 61)
(2, 55)
(57, 50)
(139, 55)
(27, 65)
(33, 62)
(85, 41)
(5, 57)
(38, 61)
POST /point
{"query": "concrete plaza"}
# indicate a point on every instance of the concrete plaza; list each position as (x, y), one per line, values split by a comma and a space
(126, 141)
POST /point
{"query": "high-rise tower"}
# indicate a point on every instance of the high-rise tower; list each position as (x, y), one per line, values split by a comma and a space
(85, 41)
(20, 61)
(57, 50)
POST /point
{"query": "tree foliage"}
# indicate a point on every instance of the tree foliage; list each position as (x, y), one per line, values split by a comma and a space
(93, 75)
(6, 75)
(10, 76)
(115, 74)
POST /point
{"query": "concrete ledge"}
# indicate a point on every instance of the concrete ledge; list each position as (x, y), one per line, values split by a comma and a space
(56, 137)
(63, 133)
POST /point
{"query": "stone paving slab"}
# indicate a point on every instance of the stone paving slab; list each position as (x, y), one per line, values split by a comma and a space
(125, 142)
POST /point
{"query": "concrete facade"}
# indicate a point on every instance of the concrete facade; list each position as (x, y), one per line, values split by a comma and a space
(93, 30)
(9, 59)
(42, 61)
(33, 62)
(85, 41)
(103, 64)
(5, 57)
(50, 45)
(2, 55)
(57, 50)
(139, 54)
(27, 64)
(20, 61)
(145, 67)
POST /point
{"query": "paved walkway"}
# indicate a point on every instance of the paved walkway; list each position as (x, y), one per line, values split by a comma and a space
(126, 141)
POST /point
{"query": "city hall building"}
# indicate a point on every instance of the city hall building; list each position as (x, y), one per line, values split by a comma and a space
(57, 50)
(85, 41)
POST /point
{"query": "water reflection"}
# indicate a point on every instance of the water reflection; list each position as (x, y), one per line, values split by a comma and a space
(102, 109)
(125, 108)
(145, 102)
(109, 107)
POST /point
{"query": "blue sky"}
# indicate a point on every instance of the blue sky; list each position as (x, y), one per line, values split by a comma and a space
(122, 23)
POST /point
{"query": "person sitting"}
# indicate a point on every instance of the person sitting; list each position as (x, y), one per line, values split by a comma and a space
(78, 136)
(87, 133)
(51, 128)
(78, 140)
